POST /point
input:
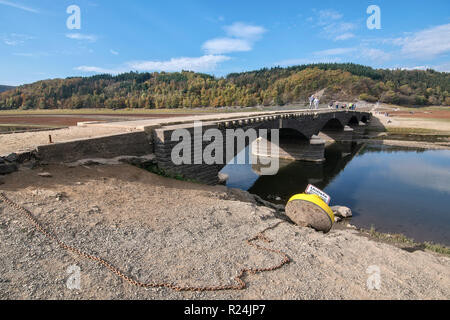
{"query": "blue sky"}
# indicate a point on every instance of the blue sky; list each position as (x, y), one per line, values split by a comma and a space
(216, 37)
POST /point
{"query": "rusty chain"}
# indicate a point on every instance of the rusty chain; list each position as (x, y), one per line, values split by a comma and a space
(239, 285)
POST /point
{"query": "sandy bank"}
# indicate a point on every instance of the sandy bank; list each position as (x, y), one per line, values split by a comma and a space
(157, 229)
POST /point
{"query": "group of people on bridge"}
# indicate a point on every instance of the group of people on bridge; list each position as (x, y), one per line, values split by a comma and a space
(350, 106)
(314, 104)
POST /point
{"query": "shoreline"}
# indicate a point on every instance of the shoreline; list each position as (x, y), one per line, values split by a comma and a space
(398, 240)
(188, 234)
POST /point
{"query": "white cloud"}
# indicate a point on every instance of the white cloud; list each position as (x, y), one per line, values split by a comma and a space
(15, 39)
(240, 38)
(426, 44)
(445, 67)
(114, 52)
(338, 55)
(244, 31)
(97, 70)
(335, 51)
(326, 15)
(344, 36)
(32, 54)
(199, 64)
(226, 45)
(80, 36)
(332, 25)
(339, 30)
(18, 6)
(375, 54)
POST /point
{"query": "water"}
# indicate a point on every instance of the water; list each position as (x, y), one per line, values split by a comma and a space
(396, 190)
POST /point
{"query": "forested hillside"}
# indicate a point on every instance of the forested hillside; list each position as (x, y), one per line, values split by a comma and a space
(5, 88)
(276, 86)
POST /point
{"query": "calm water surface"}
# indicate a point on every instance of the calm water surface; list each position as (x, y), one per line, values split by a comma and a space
(394, 189)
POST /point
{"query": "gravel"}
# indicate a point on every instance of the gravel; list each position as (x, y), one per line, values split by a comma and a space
(158, 229)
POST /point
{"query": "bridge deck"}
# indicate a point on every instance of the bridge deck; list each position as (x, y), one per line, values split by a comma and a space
(143, 123)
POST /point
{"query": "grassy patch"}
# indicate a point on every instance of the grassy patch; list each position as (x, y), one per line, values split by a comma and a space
(153, 168)
(399, 238)
(412, 131)
(437, 248)
(22, 125)
(25, 127)
(424, 108)
(393, 238)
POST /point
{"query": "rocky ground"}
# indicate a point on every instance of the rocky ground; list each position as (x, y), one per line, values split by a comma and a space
(158, 229)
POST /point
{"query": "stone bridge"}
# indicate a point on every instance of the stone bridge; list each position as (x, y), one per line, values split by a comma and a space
(302, 137)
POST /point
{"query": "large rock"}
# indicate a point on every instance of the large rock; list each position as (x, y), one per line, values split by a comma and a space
(7, 168)
(307, 214)
(342, 212)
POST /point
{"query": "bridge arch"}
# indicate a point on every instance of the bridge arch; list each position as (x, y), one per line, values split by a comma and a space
(353, 121)
(364, 119)
(333, 125)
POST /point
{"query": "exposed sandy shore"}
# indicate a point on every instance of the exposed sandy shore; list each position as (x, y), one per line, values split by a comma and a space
(157, 229)
(437, 121)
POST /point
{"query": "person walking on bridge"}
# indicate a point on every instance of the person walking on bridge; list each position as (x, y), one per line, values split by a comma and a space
(316, 103)
(311, 101)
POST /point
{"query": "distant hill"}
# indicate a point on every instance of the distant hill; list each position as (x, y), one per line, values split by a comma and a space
(5, 88)
(275, 86)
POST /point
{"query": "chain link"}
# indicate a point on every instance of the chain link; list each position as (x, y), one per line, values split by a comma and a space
(239, 283)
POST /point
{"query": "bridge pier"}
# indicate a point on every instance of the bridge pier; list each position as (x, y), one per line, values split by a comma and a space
(291, 149)
(345, 134)
(201, 172)
(358, 129)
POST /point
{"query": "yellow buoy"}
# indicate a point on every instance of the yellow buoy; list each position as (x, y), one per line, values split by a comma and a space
(309, 210)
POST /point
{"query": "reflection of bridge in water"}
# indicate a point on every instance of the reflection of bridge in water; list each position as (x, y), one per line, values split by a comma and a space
(294, 176)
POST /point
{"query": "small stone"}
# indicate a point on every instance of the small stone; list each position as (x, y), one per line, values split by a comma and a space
(7, 168)
(30, 164)
(45, 175)
(223, 178)
(342, 212)
(11, 158)
(60, 196)
(337, 219)
(94, 210)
